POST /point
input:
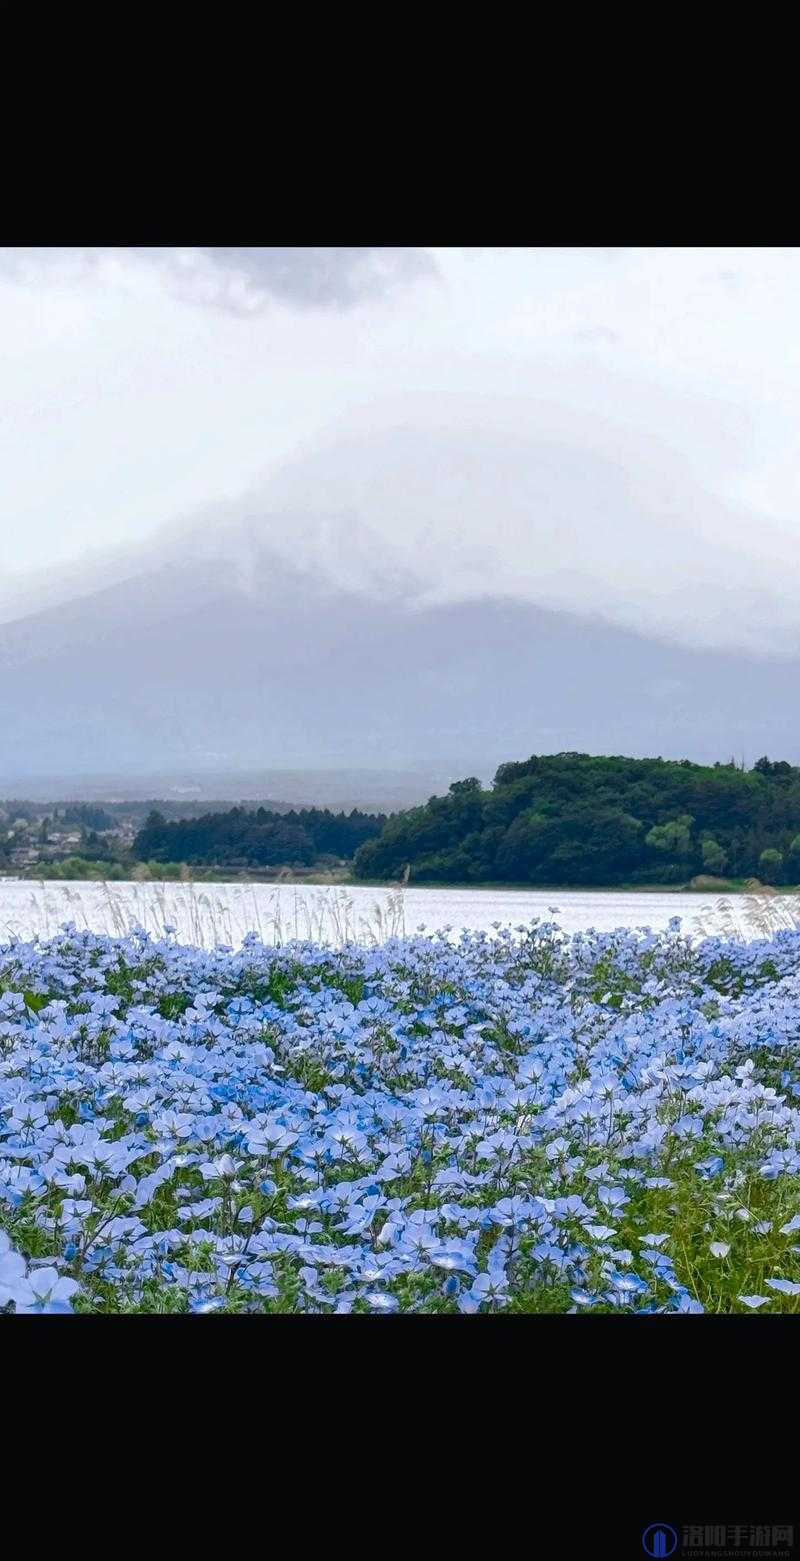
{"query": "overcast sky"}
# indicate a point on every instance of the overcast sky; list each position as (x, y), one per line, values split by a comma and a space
(611, 429)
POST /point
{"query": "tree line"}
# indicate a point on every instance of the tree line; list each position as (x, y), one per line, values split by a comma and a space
(576, 818)
(245, 837)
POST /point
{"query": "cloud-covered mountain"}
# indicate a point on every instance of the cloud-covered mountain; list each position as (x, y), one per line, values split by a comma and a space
(205, 659)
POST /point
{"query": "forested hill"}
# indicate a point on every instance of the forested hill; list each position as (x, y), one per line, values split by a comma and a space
(256, 837)
(573, 818)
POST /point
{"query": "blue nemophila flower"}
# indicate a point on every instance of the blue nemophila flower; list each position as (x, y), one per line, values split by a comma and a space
(753, 1301)
(613, 1197)
(72, 1184)
(382, 1302)
(485, 1288)
(454, 1258)
(28, 1115)
(785, 1286)
(515, 1211)
(627, 1283)
(224, 1166)
(475, 1087)
(45, 1291)
(12, 1272)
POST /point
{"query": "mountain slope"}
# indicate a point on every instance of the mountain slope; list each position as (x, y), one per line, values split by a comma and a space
(190, 664)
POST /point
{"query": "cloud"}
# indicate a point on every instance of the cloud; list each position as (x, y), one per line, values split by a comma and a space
(592, 333)
(240, 279)
(616, 531)
(323, 278)
(726, 278)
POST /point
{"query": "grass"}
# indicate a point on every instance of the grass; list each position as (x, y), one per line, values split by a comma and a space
(330, 917)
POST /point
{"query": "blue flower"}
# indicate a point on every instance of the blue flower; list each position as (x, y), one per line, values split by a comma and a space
(382, 1302)
(46, 1291)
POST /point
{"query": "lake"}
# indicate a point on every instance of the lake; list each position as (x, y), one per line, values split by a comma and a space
(220, 912)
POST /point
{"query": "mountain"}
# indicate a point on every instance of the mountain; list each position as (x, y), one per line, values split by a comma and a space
(205, 661)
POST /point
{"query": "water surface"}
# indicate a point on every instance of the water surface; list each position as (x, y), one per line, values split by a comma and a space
(220, 912)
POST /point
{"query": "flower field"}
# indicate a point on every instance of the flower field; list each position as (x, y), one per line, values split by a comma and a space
(517, 1123)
